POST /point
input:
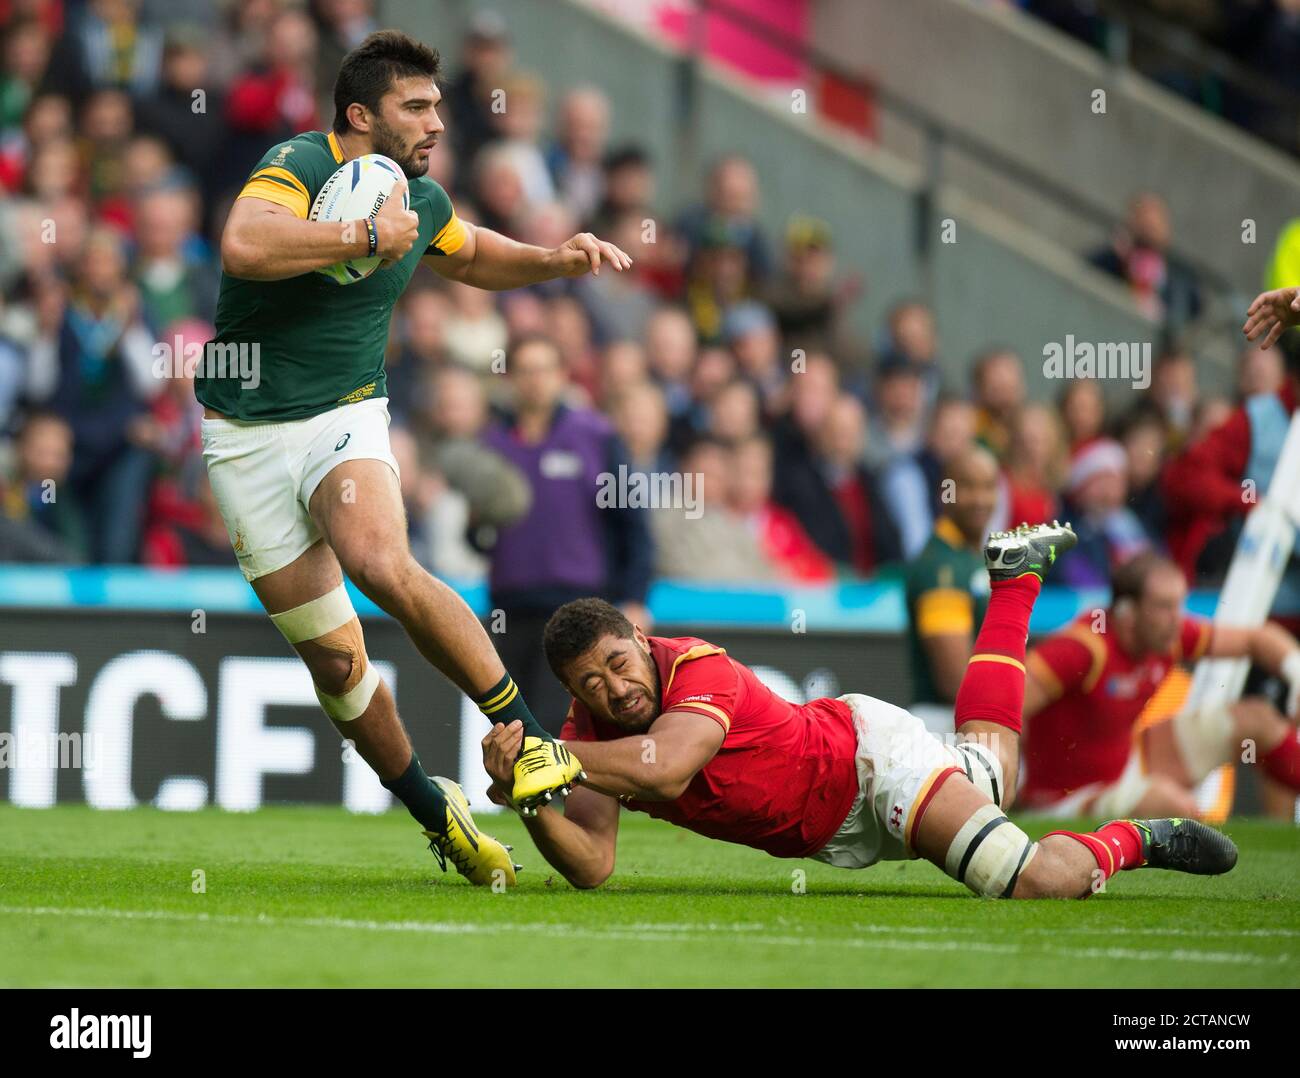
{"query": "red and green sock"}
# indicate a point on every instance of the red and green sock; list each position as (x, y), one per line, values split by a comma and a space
(993, 687)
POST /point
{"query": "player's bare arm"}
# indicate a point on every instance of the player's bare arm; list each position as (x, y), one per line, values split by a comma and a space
(579, 842)
(948, 654)
(1271, 314)
(263, 241)
(657, 765)
(1268, 645)
(495, 262)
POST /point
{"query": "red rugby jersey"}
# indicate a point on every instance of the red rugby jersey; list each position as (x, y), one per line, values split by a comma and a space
(785, 776)
(1098, 691)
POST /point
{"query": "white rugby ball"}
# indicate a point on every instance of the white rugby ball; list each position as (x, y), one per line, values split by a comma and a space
(357, 190)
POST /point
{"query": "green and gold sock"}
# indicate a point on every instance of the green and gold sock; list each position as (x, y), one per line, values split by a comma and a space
(504, 703)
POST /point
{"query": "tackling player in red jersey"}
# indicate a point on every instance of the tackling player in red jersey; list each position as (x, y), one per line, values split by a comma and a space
(680, 730)
(1088, 683)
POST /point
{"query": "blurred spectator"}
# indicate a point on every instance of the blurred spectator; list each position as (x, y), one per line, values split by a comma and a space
(172, 284)
(1034, 466)
(39, 516)
(26, 56)
(519, 128)
(730, 204)
(671, 352)
(623, 368)
(708, 542)
(1260, 370)
(1220, 477)
(719, 276)
(806, 297)
(781, 537)
(911, 334)
(895, 449)
(575, 159)
(468, 490)
(1145, 438)
(1096, 505)
(1083, 410)
(820, 477)
(751, 333)
(947, 588)
(474, 331)
(1174, 391)
(275, 98)
(641, 420)
(484, 64)
(568, 545)
(421, 349)
(735, 413)
(96, 375)
(998, 381)
(618, 304)
(628, 187)
(106, 45)
(188, 111)
(1139, 255)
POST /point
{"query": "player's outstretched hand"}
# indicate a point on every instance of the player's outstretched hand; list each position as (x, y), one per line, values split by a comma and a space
(585, 253)
(1271, 315)
(396, 229)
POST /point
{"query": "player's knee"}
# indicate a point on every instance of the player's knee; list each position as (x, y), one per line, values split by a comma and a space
(327, 634)
(989, 853)
(331, 671)
(1254, 717)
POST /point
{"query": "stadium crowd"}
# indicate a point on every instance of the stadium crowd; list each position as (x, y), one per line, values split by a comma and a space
(127, 128)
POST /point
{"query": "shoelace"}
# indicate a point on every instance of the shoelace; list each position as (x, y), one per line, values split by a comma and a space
(458, 857)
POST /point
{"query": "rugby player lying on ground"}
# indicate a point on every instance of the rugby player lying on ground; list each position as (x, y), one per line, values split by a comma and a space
(675, 728)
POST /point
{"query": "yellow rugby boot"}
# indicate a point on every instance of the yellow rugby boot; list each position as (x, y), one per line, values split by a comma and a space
(478, 857)
(543, 769)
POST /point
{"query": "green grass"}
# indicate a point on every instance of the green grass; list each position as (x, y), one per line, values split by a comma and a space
(307, 896)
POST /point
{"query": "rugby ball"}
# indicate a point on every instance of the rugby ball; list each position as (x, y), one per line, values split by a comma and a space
(357, 190)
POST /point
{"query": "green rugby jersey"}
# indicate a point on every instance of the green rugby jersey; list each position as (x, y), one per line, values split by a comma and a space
(947, 592)
(318, 344)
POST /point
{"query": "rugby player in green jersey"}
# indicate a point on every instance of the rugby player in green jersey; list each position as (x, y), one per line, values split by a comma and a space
(295, 428)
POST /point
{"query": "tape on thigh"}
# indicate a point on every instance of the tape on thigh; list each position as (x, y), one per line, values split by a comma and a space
(989, 853)
(1203, 735)
(331, 622)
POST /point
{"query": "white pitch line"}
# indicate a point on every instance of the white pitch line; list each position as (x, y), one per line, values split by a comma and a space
(659, 933)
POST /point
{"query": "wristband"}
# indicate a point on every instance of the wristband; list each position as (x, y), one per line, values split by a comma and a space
(372, 237)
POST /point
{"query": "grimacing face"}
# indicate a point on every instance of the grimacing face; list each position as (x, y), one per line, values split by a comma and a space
(617, 681)
(407, 126)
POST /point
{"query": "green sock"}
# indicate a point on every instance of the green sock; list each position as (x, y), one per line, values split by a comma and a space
(504, 703)
(422, 798)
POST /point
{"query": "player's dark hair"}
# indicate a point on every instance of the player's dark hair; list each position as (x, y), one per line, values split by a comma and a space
(1129, 580)
(576, 626)
(368, 71)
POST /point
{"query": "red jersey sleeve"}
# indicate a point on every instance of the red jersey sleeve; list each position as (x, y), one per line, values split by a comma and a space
(1194, 639)
(1062, 664)
(707, 685)
(577, 724)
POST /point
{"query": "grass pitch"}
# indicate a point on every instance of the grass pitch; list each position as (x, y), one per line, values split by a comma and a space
(309, 896)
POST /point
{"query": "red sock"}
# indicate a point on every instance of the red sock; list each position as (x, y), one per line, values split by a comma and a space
(1115, 846)
(1283, 762)
(993, 687)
